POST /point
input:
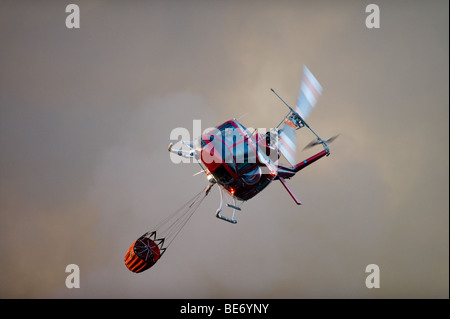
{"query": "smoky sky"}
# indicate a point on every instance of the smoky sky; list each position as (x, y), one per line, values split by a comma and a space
(86, 116)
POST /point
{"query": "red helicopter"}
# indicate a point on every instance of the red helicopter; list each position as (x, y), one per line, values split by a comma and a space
(241, 163)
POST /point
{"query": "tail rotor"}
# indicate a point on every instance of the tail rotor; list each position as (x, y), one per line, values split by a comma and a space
(318, 141)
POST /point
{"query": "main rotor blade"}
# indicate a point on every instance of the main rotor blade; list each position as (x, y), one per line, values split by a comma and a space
(310, 90)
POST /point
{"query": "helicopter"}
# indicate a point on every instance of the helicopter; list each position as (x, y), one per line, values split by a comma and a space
(243, 163)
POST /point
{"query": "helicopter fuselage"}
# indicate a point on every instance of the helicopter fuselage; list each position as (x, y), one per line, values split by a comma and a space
(236, 161)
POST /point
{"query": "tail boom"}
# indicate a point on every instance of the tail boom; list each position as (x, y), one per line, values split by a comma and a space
(285, 171)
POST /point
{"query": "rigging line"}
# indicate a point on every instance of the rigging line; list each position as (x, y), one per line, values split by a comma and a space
(188, 209)
(193, 210)
(165, 220)
(183, 211)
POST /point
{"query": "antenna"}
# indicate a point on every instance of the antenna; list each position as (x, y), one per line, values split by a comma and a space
(242, 116)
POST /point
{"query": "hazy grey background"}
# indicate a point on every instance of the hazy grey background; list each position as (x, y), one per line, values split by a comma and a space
(85, 118)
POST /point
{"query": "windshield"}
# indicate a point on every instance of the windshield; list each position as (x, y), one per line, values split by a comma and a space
(236, 147)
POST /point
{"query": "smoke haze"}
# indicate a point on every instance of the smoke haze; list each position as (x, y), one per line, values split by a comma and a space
(85, 119)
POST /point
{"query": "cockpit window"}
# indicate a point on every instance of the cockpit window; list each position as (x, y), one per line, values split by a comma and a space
(228, 133)
(222, 151)
(231, 144)
(245, 156)
(232, 136)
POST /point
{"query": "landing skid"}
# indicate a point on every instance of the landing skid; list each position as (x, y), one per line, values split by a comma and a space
(233, 206)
